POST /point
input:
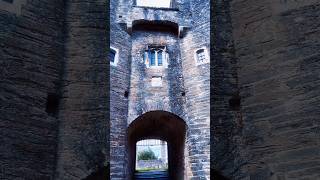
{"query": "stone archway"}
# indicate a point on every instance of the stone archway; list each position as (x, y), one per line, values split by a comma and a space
(159, 125)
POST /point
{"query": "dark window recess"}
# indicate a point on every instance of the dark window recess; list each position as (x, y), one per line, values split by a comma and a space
(52, 104)
(153, 58)
(217, 175)
(8, 1)
(112, 55)
(160, 58)
(102, 173)
(183, 94)
(126, 94)
(235, 102)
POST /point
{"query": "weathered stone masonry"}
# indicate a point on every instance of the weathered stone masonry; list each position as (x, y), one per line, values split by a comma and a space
(31, 60)
(185, 86)
(270, 54)
(54, 89)
(54, 84)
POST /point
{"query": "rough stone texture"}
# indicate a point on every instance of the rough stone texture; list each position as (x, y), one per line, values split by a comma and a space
(144, 97)
(185, 86)
(264, 54)
(197, 91)
(158, 163)
(119, 84)
(226, 122)
(31, 59)
(278, 57)
(84, 115)
(275, 46)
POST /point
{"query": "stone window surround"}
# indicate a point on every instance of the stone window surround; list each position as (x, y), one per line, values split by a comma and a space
(14, 7)
(165, 57)
(172, 5)
(206, 55)
(116, 57)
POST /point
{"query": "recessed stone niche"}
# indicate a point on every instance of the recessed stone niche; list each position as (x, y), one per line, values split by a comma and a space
(156, 81)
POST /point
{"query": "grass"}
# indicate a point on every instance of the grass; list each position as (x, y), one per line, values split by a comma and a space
(150, 169)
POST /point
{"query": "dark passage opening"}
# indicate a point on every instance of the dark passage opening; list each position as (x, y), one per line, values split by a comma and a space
(52, 104)
(235, 102)
(164, 126)
(217, 175)
(100, 174)
(156, 25)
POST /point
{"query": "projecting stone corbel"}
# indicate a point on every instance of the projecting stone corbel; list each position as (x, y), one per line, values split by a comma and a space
(126, 27)
(183, 31)
(129, 28)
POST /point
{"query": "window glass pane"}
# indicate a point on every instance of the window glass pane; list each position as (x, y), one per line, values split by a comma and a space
(154, 3)
(160, 58)
(112, 55)
(152, 58)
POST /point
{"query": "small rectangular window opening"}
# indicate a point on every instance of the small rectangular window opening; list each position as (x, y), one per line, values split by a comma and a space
(52, 104)
(112, 55)
(201, 55)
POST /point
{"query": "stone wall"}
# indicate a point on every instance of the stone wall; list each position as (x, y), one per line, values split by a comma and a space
(31, 59)
(84, 113)
(54, 100)
(143, 164)
(119, 92)
(143, 96)
(277, 46)
(190, 102)
(197, 91)
(226, 121)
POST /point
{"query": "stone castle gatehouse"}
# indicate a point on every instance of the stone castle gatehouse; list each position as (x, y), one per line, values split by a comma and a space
(81, 81)
(160, 84)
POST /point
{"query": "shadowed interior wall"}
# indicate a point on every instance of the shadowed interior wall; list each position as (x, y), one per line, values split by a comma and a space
(31, 60)
(119, 86)
(226, 122)
(278, 51)
(267, 52)
(84, 113)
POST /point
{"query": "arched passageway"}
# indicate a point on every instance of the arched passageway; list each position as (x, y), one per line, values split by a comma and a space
(159, 125)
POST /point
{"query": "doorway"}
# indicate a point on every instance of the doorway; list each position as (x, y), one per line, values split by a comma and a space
(161, 126)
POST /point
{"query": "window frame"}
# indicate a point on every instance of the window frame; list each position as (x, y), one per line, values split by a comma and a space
(156, 50)
(207, 57)
(171, 6)
(116, 56)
